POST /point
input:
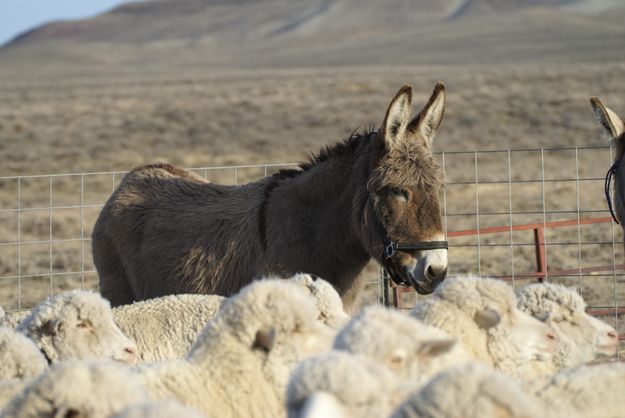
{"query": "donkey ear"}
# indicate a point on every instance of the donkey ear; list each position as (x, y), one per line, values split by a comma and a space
(397, 115)
(607, 118)
(429, 120)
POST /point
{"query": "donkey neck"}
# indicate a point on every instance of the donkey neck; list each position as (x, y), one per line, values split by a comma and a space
(310, 221)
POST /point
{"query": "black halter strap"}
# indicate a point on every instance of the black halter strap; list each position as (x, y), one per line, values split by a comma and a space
(608, 180)
(391, 247)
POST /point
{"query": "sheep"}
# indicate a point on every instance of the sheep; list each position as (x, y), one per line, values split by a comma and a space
(407, 346)
(11, 387)
(352, 385)
(483, 314)
(166, 327)
(472, 390)
(249, 348)
(327, 299)
(587, 391)
(78, 389)
(581, 338)
(159, 409)
(74, 325)
(12, 319)
(20, 358)
(161, 328)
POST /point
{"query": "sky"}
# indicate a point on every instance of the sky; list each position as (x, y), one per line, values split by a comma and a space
(17, 16)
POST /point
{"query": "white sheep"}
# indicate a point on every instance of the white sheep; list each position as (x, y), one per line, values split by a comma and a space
(77, 389)
(11, 387)
(327, 299)
(483, 314)
(77, 325)
(472, 390)
(159, 409)
(351, 385)
(407, 346)
(20, 358)
(588, 391)
(12, 319)
(242, 360)
(166, 327)
(581, 337)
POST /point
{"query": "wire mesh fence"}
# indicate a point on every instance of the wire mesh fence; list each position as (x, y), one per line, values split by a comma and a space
(521, 215)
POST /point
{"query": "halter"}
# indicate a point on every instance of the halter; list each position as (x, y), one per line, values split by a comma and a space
(608, 179)
(392, 247)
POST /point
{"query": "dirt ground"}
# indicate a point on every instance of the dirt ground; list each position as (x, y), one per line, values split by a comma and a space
(57, 123)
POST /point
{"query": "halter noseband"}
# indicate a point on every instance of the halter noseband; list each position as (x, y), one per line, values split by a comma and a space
(392, 247)
(608, 179)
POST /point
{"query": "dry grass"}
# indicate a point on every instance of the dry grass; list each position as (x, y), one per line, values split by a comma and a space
(109, 122)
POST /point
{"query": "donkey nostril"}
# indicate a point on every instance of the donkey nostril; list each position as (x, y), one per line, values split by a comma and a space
(436, 274)
(131, 350)
(551, 336)
(612, 334)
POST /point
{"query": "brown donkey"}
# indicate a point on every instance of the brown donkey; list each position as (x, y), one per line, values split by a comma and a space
(165, 230)
(615, 128)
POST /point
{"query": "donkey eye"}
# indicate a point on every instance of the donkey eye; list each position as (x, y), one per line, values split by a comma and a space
(400, 193)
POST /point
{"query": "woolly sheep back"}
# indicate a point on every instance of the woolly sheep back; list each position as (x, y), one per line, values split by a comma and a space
(166, 327)
(362, 387)
(471, 390)
(586, 391)
(327, 299)
(158, 409)
(73, 388)
(251, 346)
(19, 356)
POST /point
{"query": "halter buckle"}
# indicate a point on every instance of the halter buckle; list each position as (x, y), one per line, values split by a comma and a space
(390, 249)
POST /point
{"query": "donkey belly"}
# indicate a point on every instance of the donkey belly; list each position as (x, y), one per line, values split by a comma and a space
(177, 234)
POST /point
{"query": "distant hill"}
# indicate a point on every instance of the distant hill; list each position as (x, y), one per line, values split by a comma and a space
(327, 32)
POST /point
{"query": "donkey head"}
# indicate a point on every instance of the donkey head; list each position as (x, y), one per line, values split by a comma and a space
(404, 185)
(615, 128)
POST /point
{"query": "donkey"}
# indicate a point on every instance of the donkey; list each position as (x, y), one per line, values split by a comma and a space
(615, 128)
(165, 230)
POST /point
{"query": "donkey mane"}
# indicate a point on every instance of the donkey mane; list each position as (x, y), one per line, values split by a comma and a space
(348, 145)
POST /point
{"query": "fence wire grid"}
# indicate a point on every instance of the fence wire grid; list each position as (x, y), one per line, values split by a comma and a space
(520, 215)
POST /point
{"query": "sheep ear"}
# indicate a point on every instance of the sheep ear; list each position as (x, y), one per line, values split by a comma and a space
(607, 118)
(264, 340)
(487, 318)
(542, 316)
(52, 327)
(435, 348)
(65, 412)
